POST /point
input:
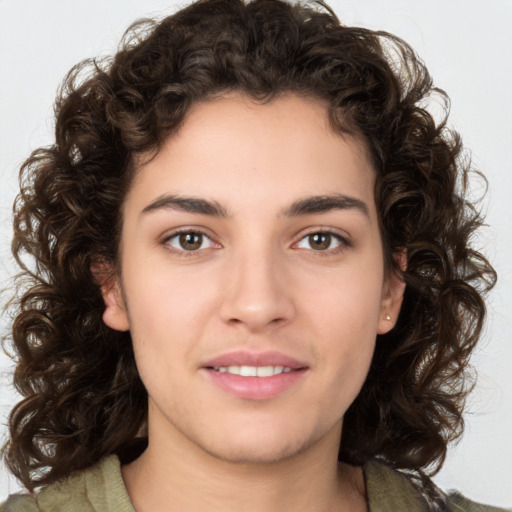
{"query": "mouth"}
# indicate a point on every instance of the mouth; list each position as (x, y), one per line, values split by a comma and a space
(252, 371)
(255, 376)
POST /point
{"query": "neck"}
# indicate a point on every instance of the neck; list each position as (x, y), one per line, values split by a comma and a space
(180, 476)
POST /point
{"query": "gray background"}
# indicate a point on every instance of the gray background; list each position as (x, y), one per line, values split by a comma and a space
(467, 45)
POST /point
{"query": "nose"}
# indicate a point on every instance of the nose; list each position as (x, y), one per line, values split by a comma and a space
(257, 295)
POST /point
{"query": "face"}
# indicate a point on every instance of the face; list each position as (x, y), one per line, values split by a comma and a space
(252, 279)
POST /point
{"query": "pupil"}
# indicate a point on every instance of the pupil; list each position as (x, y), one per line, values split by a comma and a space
(320, 241)
(190, 241)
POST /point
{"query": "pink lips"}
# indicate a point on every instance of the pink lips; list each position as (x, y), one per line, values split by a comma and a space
(242, 358)
(255, 388)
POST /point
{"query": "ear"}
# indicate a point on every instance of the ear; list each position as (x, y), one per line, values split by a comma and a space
(115, 314)
(392, 296)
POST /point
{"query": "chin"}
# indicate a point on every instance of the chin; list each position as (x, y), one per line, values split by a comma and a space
(260, 454)
(263, 445)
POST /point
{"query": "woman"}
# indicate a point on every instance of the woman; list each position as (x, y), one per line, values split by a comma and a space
(254, 283)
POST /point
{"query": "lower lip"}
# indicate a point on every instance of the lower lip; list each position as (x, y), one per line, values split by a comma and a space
(255, 388)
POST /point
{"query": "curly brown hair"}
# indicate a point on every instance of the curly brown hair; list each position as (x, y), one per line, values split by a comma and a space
(83, 398)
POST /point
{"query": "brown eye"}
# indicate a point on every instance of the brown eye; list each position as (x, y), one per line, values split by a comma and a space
(323, 241)
(191, 241)
(319, 241)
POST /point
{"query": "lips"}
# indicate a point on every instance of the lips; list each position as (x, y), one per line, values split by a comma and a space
(255, 376)
(242, 358)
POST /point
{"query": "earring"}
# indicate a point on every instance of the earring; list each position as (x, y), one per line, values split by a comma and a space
(388, 317)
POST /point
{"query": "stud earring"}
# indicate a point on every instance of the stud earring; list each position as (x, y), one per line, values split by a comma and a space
(388, 317)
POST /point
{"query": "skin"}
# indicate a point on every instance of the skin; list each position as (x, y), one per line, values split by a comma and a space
(258, 280)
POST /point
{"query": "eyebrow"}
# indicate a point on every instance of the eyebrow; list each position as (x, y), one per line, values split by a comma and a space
(187, 204)
(306, 206)
(326, 203)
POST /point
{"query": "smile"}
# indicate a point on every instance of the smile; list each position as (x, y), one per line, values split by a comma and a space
(253, 371)
(255, 375)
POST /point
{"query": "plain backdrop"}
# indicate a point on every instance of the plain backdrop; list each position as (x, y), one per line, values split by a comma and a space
(467, 45)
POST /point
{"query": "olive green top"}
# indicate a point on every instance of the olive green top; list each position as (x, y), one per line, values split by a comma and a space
(101, 489)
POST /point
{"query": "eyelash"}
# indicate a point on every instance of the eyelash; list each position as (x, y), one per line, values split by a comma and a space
(342, 242)
(186, 252)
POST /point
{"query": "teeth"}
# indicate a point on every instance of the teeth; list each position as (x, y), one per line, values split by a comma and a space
(268, 371)
(248, 371)
(253, 371)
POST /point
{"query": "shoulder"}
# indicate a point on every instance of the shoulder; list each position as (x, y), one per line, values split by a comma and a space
(19, 503)
(391, 491)
(458, 503)
(99, 488)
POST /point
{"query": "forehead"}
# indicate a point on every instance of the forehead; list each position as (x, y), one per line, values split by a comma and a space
(242, 151)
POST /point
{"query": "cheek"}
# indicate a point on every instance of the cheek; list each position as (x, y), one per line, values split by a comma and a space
(168, 310)
(346, 300)
(344, 313)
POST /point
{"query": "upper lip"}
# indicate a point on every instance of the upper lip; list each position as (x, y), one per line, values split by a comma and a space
(244, 358)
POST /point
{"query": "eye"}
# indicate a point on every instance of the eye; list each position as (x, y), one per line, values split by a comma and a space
(189, 241)
(322, 241)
